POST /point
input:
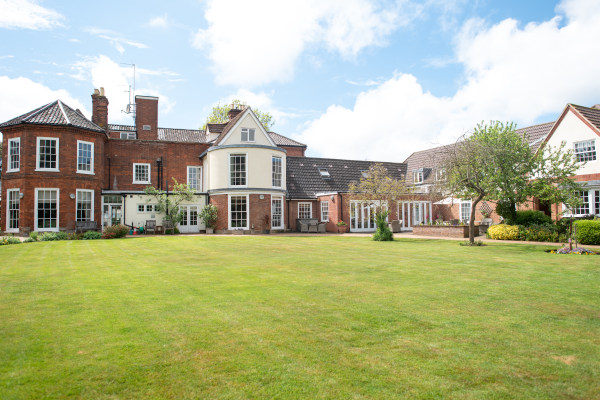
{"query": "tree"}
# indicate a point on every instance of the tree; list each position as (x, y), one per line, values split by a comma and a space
(379, 190)
(219, 115)
(168, 203)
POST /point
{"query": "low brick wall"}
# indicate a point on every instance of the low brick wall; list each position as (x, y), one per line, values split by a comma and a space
(444, 231)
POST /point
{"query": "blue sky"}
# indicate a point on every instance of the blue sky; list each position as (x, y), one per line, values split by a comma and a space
(354, 79)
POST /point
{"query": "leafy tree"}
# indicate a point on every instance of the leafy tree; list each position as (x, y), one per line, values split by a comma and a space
(168, 204)
(219, 115)
(379, 190)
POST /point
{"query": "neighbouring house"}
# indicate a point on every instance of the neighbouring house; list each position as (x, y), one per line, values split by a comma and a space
(62, 168)
(578, 127)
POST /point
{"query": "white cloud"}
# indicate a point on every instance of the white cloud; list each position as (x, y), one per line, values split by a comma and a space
(115, 39)
(510, 73)
(262, 40)
(22, 94)
(27, 14)
(102, 71)
(159, 22)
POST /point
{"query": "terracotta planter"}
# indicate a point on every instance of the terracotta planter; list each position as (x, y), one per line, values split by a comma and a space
(343, 229)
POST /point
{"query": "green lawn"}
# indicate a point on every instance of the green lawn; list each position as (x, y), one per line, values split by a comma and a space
(298, 318)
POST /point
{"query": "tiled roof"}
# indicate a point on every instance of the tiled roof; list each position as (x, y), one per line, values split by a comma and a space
(121, 128)
(55, 113)
(168, 134)
(216, 128)
(230, 125)
(281, 140)
(304, 179)
(431, 159)
(592, 114)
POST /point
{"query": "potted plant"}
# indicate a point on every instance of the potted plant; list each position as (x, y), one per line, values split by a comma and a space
(267, 223)
(209, 216)
(342, 227)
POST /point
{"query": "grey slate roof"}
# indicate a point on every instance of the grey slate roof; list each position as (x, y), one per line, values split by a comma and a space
(55, 113)
(182, 135)
(592, 114)
(304, 179)
(536, 134)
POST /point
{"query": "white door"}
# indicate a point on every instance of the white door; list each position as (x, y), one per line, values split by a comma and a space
(362, 216)
(189, 222)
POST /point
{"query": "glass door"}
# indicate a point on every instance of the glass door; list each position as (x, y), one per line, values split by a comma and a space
(189, 220)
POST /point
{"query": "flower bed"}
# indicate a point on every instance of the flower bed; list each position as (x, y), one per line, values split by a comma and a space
(457, 231)
(575, 250)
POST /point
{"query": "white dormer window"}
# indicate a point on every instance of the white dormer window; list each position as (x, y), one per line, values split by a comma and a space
(324, 173)
(585, 151)
(440, 174)
(418, 176)
(247, 135)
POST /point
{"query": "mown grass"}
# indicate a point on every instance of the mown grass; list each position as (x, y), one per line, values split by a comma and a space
(296, 318)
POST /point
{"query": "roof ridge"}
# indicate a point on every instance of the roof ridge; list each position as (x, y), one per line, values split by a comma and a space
(60, 105)
(346, 159)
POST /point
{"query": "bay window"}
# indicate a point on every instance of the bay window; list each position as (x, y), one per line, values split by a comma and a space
(277, 171)
(84, 208)
(13, 208)
(85, 157)
(238, 212)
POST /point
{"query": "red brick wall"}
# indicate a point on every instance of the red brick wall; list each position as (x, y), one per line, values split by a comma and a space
(146, 113)
(176, 158)
(258, 208)
(220, 201)
(67, 180)
(294, 151)
(293, 211)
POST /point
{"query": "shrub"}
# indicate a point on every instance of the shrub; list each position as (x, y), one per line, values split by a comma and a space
(92, 235)
(209, 215)
(530, 217)
(34, 236)
(503, 232)
(539, 233)
(588, 232)
(74, 236)
(506, 209)
(49, 236)
(115, 231)
(564, 224)
(9, 240)
(383, 232)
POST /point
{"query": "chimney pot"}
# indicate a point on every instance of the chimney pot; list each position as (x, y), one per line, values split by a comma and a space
(233, 112)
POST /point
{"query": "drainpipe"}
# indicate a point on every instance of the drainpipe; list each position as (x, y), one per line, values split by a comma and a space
(108, 183)
(124, 207)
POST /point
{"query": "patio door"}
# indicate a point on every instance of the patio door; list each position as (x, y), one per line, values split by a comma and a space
(362, 216)
(189, 222)
(112, 210)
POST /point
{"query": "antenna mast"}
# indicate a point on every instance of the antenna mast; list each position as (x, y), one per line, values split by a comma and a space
(130, 107)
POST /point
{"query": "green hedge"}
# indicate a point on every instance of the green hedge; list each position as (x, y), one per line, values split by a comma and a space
(588, 232)
(503, 232)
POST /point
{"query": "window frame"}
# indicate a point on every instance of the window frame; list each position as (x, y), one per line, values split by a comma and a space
(460, 210)
(77, 191)
(199, 177)
(245, 169)
(9, 166)
(326, 204)
(149, 181)
(127, 135)
(420, 174)
(273, 172)
(303, 203)
(248, 130)
(587, 195)
(593, 156)
(8, 192)
(280, 199)
(229, 197)
(36, 226)
(80, 171)
(37, 154)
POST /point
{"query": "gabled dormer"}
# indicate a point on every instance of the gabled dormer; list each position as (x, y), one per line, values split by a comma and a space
(244, 128)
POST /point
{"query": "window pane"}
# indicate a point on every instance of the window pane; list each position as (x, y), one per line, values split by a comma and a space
(142, 173)
(237, 169)
(194, 178)
(277, 171)
(47, 211)
(304, 210)
(13, 209)
(47, 154)
(84, 157)
(84, 206)
(14, 154)
(585, 151)
(238, 211)
(324, 211)
(276, 213)
(584, 208)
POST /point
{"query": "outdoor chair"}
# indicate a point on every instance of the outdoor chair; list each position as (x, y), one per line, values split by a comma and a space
(307, 225)
(150, 226)
(395, 226)
(84, 226)
(322, 227)
(168, 226)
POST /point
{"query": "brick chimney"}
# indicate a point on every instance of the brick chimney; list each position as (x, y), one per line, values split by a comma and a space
(233, 112)
(146, 117)
(99, 108)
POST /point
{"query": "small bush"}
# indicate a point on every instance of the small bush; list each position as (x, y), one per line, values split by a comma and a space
(115, 231)
(49, 236)
(92, 235)
(588, 232)
(539, 233)
(503, 232)
(383, 232)
(29, 240)
(475, 243)
(74, 236)
(531, 217)
(34, 236)
(9, 240)
(564, 224)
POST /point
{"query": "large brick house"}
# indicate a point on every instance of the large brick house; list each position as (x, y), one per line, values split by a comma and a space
(577, 127)
(60, 167)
